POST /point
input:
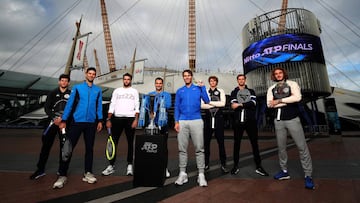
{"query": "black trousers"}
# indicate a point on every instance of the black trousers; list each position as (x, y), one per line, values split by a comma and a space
(47, 142)
(76, 129)
(219, 135)
(252, 131)
(118, 125)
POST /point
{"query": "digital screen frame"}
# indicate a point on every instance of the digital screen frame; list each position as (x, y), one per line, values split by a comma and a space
(281, 49)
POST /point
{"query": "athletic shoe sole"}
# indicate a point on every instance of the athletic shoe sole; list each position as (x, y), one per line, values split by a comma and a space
(261, 173)
(283, 178)
(88, 181)
(38, 176)
(108, 173)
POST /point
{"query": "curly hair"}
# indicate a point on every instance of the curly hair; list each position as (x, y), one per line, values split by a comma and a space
(286, 76)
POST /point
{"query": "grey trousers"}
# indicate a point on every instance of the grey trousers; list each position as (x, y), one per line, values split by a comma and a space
(295, 129)
(191, 129)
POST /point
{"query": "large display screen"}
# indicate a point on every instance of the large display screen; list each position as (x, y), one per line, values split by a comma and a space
(283, 48)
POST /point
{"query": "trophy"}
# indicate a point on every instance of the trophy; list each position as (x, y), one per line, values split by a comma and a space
(152, 108)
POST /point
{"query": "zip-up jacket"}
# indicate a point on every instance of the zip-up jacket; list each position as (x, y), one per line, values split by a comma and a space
(288, 108)
(84, 104)
(55, 102)
(188, 102)
(247, 97)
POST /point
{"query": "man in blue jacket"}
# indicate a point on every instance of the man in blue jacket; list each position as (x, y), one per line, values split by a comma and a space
(162, 96)
(188, 122)
(85, 106)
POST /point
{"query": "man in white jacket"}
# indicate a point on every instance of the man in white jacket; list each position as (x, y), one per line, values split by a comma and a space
(284, 97)
(214, 122)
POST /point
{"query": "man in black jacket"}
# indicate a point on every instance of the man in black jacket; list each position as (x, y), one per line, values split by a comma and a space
(54, 107)
(243, 102)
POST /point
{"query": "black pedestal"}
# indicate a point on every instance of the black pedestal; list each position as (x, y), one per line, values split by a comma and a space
(150, 160)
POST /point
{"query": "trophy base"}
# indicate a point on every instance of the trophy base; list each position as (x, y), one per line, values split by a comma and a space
(152, 131)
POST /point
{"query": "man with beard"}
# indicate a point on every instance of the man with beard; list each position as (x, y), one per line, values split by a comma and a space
(284, 97)
(123, 114)
(162, 97)
(85, 108)
(189, 124)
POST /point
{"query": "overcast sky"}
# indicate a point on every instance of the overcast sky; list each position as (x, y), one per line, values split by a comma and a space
(35, 35)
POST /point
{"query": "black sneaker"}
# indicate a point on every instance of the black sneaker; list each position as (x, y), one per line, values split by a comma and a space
(207, 167)
(261, 171)
(37, 174)
(235, 170)
(224, 170)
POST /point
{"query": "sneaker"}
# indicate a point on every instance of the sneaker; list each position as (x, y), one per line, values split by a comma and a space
(167, 173)
(183, 178)
(224, 170)
(60, 182)
(207, 167)
(261, 171)
(110, 169)
(89, 178)
(282, 175)
(37, 174)
(309, 184)
(201, 180)
(129, 170)
(235, 170)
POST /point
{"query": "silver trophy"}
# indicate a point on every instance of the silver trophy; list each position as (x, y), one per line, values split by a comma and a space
(152, 129)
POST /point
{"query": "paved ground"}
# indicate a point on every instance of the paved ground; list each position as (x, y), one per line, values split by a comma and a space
(336, 173)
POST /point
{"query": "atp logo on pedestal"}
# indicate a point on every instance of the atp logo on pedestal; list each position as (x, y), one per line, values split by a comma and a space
(149, 147)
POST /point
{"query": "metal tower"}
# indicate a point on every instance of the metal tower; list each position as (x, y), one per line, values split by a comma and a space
(282, 20)
(192, 36)
(107, 37)
(97, 64)
(72, 50)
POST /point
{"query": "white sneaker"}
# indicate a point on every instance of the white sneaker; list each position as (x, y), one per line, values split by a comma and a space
(167, 173)
(183, 178)
(89, 178)
(60, 182)
(201, 180)
(110, 169)
(129, 170)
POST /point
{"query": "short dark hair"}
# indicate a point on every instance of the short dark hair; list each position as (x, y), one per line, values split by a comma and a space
(286, 75)
(214, 78)
(128, 74)
(159, 78)
(91, 68)
(187, 71)
(237, 77)
(64, 76)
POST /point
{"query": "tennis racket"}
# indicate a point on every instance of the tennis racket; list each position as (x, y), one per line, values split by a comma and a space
(59, 106)
(110, 146)
(58, 110)
(66, 149)
(243, 96)
(214, 110)
(48, 128)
